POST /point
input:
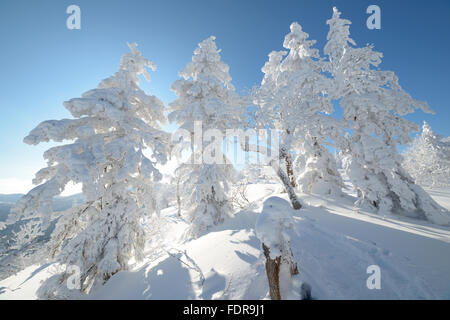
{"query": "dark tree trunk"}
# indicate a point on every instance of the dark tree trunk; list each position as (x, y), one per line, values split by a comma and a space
(273, 274)
(273, 269)
(290, 169)
(286, 155)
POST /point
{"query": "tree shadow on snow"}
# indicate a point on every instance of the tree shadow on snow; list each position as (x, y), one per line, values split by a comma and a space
(214, 283)
(168, 280)
(36, 271)
(251, 259)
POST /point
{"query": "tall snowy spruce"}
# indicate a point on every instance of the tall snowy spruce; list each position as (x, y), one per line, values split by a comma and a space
(427, 160)
(293, 98)
(373, 106)
(208, 105)
(112, 126)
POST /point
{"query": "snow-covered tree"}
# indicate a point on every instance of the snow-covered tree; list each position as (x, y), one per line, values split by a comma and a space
(207, 98)
(373, 105)
(319, 174)
(112, 126)
(428, 159)
(293, 99)
(28, 231)
(265, 117)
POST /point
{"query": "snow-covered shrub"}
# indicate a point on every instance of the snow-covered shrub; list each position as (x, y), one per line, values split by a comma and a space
(374, 106)
(27, 232)
(22, 245)
(427, 160)
(112, 126)
(256, 173)
(239, 195)
(206, 96)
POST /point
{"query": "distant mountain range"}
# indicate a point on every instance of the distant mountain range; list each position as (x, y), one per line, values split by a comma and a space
(7, 201)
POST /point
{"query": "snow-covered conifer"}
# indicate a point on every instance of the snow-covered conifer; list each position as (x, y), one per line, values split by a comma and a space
(374, 106)
(320, 174)
(112, 126)
(206, 97)
(428, 159)
(294, 97)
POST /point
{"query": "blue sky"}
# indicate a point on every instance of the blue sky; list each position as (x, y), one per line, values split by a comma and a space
(43, 63)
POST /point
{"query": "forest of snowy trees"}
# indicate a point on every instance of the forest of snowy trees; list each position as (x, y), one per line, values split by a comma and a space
(428, 159)
(115, 142)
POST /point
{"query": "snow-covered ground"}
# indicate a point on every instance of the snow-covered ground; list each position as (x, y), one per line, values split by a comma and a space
(333, 246)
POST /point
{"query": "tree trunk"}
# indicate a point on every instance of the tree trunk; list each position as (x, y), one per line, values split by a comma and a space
(281, 174)
(287, 185)
(273, 269)
(290, 169)
(273, 274)
(286, 155)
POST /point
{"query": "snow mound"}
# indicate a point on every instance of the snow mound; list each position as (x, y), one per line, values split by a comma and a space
(273, 222)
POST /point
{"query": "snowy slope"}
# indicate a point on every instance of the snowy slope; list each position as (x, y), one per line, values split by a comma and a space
(334, 246)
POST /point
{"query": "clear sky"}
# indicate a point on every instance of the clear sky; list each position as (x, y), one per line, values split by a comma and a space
(42, 63)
